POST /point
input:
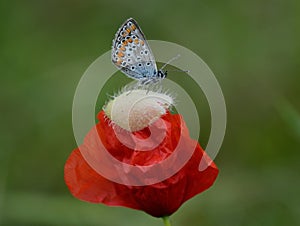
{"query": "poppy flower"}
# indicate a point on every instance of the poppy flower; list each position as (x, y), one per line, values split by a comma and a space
(138, 147)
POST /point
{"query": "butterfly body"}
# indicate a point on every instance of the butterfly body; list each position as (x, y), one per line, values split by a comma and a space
(131, 53)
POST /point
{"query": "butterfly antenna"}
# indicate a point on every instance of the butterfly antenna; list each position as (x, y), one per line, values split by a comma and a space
(185, 71)
(172, 59)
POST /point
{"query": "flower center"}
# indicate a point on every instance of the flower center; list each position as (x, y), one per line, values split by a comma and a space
(136, 109)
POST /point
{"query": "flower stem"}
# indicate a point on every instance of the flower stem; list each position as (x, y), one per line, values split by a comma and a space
(166, 220)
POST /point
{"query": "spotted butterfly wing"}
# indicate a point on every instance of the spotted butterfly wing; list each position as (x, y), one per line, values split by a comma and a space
(132, 54)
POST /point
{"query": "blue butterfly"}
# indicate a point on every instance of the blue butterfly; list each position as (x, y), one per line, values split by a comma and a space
(132, 55)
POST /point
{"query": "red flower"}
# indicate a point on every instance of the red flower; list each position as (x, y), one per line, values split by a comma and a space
(158, 199)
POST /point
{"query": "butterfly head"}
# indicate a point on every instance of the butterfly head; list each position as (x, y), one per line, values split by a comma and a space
(162, 74)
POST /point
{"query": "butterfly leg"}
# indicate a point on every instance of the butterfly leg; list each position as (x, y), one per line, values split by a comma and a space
(147, 83)
(138, 85)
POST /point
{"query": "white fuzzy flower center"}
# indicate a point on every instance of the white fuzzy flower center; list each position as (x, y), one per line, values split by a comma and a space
(136, 109)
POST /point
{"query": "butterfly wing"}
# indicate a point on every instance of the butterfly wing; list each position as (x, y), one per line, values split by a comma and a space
(131, 52)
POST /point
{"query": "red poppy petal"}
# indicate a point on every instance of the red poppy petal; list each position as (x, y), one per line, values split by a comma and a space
(159, 199)
(86, 184)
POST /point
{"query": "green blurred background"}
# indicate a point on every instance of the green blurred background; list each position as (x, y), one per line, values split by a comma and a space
(252, 47)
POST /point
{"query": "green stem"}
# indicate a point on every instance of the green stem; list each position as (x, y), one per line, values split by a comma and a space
(166, 220)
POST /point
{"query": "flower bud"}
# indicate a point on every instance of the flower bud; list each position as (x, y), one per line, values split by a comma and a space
(136, 109)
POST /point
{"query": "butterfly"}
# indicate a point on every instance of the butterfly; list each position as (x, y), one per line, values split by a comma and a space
(131, 54)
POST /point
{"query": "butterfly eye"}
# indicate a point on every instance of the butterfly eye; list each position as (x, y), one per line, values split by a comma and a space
(129, 24)
(132, 68)
(130, 49)
(124, 63)
(133, 47)
(128, 54)
(148, 64)
(140, 64)
(128, 60)
(142, 52)
(146, 52)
